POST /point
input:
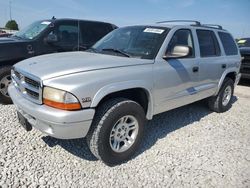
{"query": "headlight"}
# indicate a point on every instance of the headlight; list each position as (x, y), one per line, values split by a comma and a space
(60, 99)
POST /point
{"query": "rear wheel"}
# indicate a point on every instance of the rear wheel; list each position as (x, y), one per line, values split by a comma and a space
(116, 131)
(223, 101)
(5, 80)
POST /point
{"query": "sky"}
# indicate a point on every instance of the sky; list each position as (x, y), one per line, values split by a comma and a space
(233, 15)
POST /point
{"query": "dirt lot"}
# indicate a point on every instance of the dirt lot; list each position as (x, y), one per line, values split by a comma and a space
(186, 147)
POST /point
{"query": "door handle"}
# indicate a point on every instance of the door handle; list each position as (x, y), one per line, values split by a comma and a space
(223, 66)
(195, 69)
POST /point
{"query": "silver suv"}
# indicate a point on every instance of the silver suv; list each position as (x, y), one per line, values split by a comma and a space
(109, 92)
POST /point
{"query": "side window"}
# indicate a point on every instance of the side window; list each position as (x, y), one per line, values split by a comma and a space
(181, 37)
(228, 43)
(68, 34)
(92, 32)
(208, 43)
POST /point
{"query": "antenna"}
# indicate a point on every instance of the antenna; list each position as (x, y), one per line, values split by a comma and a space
(10, 9)
(194, 21)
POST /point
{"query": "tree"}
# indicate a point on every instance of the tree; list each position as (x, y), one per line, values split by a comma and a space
(12, 25)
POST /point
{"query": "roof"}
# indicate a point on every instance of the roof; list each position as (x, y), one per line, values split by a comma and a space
(72, 19)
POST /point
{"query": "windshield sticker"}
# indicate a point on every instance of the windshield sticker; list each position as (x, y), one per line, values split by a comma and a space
(241, 41)
(45, 23)
(153, 30)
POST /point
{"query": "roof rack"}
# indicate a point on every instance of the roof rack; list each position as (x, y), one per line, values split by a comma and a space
(194, 21)
(213, 25)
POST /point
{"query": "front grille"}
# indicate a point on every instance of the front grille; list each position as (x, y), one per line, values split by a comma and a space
(31, 82)
(33, 94)
(17, 75)
(28, 85)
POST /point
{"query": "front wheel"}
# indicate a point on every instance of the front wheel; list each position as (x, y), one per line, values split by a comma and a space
(223, 101)
(116, 131)
(5, 80)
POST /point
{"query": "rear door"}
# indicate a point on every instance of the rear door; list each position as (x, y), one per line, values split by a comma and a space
(212, 63)
(230, 50)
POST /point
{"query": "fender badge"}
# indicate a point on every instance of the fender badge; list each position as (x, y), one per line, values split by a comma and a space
(87, 99)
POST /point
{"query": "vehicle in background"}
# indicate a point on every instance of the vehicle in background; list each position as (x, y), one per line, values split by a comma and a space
(244, 45)
(44, 37)
(109, 92)
(4, 34)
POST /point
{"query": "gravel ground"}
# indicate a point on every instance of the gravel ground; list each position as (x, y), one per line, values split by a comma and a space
(186, 147)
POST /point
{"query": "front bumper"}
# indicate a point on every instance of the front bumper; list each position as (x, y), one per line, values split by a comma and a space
(54, 122)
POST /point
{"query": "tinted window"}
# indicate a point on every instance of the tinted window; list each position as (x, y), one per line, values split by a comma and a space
(228, 43)
(91, 32)
(181, 37)
(208, 43)
(68, 34)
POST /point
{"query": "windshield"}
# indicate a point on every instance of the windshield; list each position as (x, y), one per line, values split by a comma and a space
(244, 42)
(32, 30)
(136, 41)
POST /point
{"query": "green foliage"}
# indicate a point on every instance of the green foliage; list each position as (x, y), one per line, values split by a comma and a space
(12, 25)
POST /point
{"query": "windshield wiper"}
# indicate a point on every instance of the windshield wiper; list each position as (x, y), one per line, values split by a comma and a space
(116, 51)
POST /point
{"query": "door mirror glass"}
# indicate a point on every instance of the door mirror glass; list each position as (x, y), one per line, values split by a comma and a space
(52, 38)
(178, 52)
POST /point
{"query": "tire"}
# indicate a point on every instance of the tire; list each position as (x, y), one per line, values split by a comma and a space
(5, 80)
(215, 103)
(106, 121)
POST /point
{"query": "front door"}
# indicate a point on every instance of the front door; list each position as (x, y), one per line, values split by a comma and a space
(175, 80)
(67, 38)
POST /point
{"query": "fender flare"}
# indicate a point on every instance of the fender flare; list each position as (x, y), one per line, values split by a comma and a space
(119, 86)
(225, 73)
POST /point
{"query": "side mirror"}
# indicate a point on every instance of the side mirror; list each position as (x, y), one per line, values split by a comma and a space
(51, 38)
(178, 52)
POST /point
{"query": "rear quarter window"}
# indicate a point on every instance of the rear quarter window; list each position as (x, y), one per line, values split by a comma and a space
(228, 43)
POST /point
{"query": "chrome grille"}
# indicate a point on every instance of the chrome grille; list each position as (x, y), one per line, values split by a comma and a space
(32, 82)
(28, 85)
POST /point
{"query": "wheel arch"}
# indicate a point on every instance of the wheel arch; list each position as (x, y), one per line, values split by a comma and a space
(230, 73)
(137, 93)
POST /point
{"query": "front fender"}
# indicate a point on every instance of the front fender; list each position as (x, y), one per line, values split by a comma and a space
(119, 86)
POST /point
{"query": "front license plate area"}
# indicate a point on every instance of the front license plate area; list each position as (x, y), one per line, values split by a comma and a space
(24, 122)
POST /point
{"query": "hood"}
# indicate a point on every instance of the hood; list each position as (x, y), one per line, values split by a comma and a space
(4, 40)
(245, 50)
(59, 64)
(12, 49)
